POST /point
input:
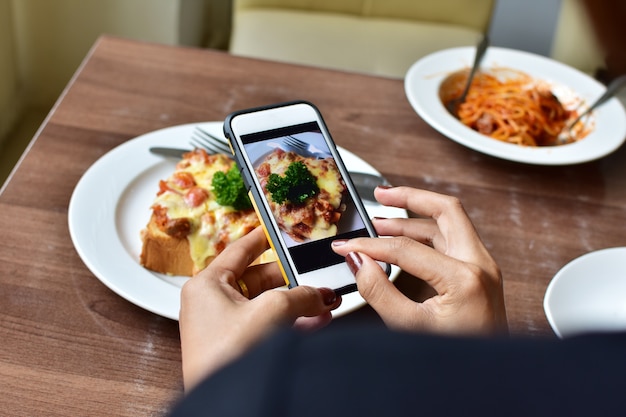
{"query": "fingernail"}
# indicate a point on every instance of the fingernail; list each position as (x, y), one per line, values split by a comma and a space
(354, 261)
(328, 296)
(339, 242)
(384, 186)
(378, 218)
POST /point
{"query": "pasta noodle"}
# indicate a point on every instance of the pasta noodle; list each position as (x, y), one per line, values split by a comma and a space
(512, 108)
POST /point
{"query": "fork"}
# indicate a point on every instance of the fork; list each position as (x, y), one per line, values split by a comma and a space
(200, 138)
(612, 89)
(304, 149)
(453, 105)
(363, 182)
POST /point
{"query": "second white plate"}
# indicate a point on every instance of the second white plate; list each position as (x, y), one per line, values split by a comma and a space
(589, 294)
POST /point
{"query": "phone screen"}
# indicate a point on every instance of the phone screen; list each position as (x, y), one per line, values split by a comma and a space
(308, 227)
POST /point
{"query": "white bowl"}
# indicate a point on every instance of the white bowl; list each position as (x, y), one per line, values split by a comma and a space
(589, 294)
(423, 81)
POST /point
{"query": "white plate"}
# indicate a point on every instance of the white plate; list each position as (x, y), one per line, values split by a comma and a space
(424, 78)
(589, 294)
(111, 204)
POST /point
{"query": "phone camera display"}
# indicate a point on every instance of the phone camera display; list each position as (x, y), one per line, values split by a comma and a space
(305, 192)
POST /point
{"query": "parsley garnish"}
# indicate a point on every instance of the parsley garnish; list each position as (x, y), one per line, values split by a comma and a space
(230, 190)
(295, 186)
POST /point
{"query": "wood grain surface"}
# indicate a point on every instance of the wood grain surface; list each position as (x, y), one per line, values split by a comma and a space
(71, 346)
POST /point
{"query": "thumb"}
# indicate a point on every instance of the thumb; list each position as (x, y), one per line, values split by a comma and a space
(301, 301)
(330, 301)
(380, 293)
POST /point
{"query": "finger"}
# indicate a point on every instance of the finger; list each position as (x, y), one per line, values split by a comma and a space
(456, 228)
(313, 323)
(393, 307)
(422, 202)
(302, 301)
(411, 256)
(260, 278)
(234, 260)
(424, 231)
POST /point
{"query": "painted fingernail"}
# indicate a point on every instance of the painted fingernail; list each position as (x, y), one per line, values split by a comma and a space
(328, 296)
(354, 261)
(339, 242)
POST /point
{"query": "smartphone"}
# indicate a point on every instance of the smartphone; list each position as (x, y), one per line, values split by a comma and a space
(301, 191)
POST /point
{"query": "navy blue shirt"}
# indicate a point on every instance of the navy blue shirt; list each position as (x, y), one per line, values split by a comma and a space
(371, 371)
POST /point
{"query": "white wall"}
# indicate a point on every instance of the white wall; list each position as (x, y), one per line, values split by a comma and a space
(10, 104)
(53, 36)
(528, 25)
(555, 28)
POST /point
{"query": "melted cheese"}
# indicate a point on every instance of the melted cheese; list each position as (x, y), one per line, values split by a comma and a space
(328, 179)
(213, 226)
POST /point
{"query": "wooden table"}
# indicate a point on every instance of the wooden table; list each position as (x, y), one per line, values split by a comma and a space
(70, 346)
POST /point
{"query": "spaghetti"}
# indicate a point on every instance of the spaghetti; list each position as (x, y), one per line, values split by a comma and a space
(513, 108)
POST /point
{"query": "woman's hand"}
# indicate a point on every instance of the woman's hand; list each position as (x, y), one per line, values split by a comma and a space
(442, 248)
(218, 324)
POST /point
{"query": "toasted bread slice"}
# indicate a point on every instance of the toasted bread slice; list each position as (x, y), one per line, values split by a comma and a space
(169, 255)
(188, 227)
(164, 253)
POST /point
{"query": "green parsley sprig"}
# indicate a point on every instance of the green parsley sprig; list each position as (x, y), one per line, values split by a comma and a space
(230, 190)
(295, 186)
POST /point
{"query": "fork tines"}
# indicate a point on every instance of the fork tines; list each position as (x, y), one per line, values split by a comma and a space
(200, 138)
(296, 144)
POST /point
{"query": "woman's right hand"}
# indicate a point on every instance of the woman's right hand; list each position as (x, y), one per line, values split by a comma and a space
(220, 321)
(441, 247)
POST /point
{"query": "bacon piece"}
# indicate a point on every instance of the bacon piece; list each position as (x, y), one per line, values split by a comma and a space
(178, 228)
(183, 179)
(485, 124)
(196, 196)
(264, 170)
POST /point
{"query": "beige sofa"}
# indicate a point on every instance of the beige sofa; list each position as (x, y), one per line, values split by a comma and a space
(382, 37)
(385, 37)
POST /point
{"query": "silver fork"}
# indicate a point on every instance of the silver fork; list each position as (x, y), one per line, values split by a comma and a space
(200, 138)
(305, 149)
(453, 105)
(364, 182)
(612, 89)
